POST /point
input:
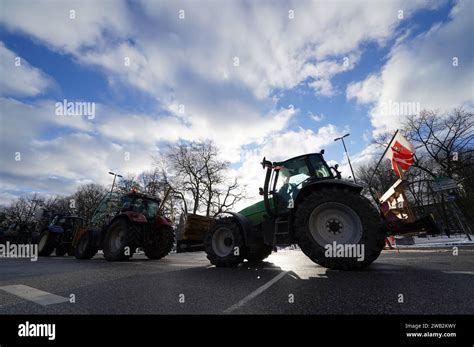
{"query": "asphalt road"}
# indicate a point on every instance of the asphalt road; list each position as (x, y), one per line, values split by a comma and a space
(428, 281)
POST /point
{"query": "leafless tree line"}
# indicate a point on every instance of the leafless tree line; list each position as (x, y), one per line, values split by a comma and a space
(193, 174)
(197, 176)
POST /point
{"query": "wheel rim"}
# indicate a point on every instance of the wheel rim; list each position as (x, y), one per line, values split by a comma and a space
(116, 240)
(335, 222)
(42, 241)
(223, 242)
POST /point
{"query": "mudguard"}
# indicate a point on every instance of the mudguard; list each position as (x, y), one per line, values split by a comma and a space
(307, 189)
(131, 216)
(246, 226)
(162, 221)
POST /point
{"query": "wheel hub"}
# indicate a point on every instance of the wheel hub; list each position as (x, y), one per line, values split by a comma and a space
(335, 222)
(334, 226)
(223, 242)
(228, 241)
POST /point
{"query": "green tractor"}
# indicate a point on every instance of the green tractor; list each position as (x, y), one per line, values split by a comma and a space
(305, 202)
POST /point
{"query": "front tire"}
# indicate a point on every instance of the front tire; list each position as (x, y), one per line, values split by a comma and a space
(224, 243)
(339, 217)
(162, 242)
(46, 244)
(85, 248)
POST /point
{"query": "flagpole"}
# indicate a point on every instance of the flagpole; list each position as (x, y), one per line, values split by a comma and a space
(380, 160)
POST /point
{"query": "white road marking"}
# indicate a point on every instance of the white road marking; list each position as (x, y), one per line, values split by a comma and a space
(255, 293)
(460, 272)
(33, 294)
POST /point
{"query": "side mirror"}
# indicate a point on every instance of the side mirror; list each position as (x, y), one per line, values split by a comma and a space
(266, 163)
(338, 173)
(260, 191)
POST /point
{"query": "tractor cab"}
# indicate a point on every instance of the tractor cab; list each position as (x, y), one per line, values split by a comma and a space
(64, 223)
(140, 203)
(114, 203)
(286, 179)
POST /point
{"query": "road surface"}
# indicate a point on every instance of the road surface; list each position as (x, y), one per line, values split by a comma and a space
(400, 282)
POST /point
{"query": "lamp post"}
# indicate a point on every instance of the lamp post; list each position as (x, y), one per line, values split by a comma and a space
(347, 154)
(115, 176)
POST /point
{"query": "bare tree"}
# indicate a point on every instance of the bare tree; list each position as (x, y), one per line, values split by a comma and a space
(189, 171)
(86, 199)
(441, 138)
(59, 204)
(225, 198)
(22, 211)
(201, 174)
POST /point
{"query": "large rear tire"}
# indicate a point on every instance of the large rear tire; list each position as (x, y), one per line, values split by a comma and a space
(85, 248)
(224, 243)
(162, 242)
(343, 217)
(118, 242)
(46, 243)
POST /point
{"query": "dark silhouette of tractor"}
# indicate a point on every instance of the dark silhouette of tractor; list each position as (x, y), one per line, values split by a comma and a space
(123, 223)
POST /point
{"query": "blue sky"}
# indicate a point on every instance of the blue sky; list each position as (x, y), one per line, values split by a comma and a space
(337, 63)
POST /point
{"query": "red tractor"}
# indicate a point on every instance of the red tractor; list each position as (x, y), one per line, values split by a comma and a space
(123, 223)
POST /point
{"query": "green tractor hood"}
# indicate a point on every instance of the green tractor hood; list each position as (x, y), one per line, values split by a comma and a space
(256, 211)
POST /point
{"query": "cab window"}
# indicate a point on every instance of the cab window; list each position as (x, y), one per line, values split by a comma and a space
(321, 170)
(290, 177)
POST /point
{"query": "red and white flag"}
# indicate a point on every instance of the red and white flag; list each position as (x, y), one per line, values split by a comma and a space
(400, 152)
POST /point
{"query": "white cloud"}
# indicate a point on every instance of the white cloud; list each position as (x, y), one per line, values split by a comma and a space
(322, 87)
(186, 62)
(56, 152)
(274, 51)
(421, 71)
(19, 78)
(82, 150)
(366, 91)
(316, 117)
(51, 22)
(293, 143)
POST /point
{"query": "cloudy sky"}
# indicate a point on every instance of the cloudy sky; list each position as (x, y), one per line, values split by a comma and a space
(273, 78)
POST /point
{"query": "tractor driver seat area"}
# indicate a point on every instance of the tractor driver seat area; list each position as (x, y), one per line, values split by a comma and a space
(290, 179)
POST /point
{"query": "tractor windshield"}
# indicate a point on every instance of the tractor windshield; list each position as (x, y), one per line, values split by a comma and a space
(294, 172)
(106, 209)
(290, 176)
(141, 205)
(320, 167)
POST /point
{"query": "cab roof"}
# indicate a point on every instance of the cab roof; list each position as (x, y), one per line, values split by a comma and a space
(320, 154)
